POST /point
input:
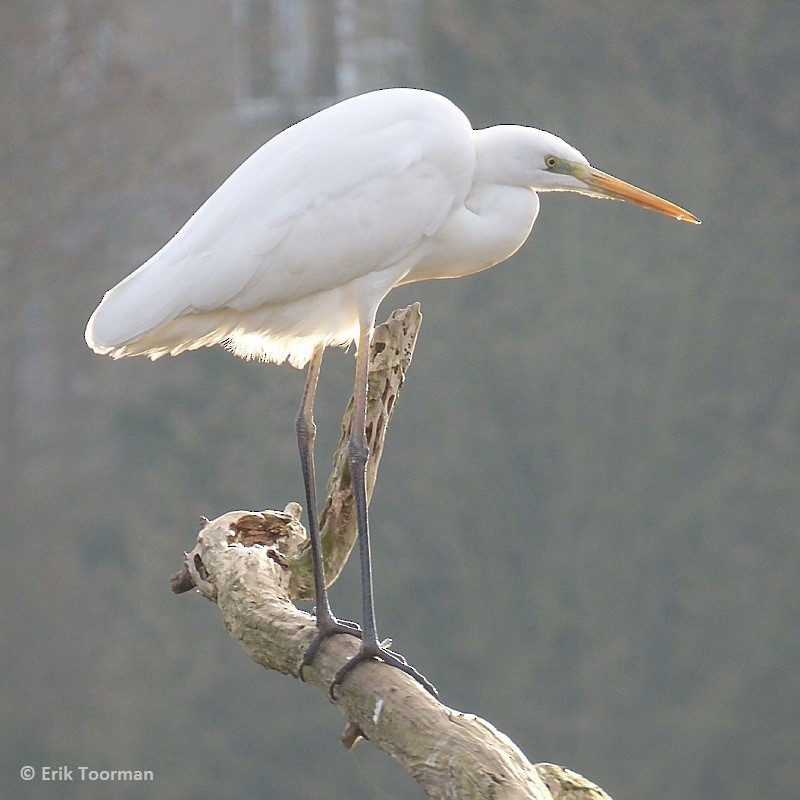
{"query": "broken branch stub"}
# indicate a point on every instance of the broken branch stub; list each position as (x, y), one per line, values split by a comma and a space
(391, 350)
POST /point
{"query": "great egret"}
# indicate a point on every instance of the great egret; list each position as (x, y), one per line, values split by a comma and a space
(297, 248)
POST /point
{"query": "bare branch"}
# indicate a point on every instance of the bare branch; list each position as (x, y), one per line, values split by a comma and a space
(253, 564)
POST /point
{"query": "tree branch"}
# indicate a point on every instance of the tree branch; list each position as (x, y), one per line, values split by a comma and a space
(253, 564)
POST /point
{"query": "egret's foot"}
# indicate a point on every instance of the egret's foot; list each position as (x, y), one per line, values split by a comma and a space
(326, 627)
(380, 650)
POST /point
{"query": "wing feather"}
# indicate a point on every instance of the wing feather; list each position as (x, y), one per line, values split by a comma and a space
(348, 191)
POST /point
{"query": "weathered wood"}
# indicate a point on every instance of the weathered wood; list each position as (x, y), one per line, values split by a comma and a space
(254, 564)
(451, 754)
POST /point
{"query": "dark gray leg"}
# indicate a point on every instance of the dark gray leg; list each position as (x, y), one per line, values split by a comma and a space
(358, 454)
(327, 624)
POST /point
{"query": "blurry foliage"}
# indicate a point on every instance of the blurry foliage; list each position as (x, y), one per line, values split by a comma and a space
(586, 521)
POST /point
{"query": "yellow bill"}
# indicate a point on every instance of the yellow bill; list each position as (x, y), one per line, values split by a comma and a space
(610, 186)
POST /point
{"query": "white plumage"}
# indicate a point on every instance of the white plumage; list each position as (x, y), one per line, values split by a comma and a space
(336, 209)
(298, 247)
(310, 233)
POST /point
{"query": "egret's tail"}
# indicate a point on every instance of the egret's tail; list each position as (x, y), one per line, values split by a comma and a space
(132, 321)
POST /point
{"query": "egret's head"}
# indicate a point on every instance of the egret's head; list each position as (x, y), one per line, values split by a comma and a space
(545, 163)
(577, 175)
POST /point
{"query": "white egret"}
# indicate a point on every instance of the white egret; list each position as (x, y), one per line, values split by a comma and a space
(297, 248)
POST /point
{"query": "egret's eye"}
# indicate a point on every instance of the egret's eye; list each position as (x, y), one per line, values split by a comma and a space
(551, 162)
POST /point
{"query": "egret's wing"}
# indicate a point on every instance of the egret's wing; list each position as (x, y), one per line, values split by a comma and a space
(346, 192)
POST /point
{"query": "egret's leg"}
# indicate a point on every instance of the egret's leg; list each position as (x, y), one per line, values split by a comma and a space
(327, 624)
(358, 453)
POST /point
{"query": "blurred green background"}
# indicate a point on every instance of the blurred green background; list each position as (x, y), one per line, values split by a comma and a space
(586, 522)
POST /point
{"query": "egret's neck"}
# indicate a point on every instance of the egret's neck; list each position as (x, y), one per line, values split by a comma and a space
(497, 214)
(502, 218)
(492, 224)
